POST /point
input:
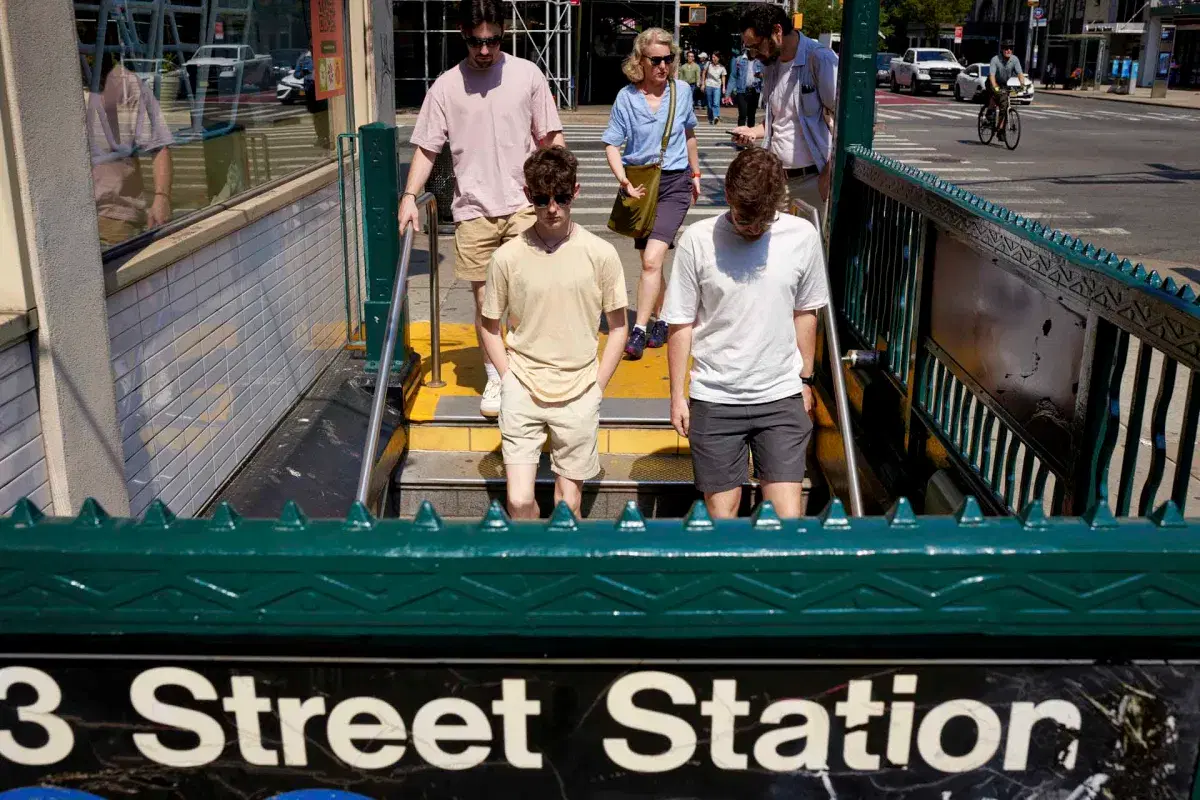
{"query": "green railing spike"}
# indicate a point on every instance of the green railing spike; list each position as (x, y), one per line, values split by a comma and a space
(225, 518)
(631, 519)
(494, 519)
(158, 515)
(1102, 255)
(1034, 515)
(1139, 272)
(1188, 295)
(561, 519)
(358, 518)
(1168, 515)
(292, 516)
(1100, 516)
(834, 515)
(1125, 266)
(1113, 259)
(969, 513)
(765, 517)
(25, 513)
(1170, 286)
(697, 518)
(901, 514)
(1155, 279)
(426, 518)
(91, 513)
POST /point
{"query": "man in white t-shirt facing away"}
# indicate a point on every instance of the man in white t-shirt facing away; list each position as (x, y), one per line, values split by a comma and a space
(556, 279)
(742, 302)
(495, 110)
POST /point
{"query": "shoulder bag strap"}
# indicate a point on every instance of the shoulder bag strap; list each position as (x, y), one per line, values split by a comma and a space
(662, 154)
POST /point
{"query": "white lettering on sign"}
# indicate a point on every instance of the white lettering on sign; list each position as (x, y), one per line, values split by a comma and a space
(657, 721)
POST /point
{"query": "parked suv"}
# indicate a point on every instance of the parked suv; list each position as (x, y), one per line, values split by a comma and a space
(925, 69)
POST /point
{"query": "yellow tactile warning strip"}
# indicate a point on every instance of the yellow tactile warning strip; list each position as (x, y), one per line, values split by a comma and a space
(618, 441)
(462, 370)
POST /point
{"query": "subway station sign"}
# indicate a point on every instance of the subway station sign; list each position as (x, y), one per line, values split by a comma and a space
(118, 727)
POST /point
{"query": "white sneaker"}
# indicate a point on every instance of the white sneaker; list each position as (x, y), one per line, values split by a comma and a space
(490, 405)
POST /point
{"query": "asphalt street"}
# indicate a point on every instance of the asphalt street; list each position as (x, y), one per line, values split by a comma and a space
(1123, 176)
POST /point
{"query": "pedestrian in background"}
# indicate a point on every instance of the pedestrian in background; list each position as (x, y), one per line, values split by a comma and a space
(800, 93)
(714, 86)
(745, 78)
(689, 72)
(639, 122)
(495, 110)
(742, 305)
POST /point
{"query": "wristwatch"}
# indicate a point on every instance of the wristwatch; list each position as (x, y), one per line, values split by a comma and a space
(695, 174)
(807, 380)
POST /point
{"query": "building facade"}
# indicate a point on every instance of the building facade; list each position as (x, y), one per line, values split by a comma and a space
(171, 264)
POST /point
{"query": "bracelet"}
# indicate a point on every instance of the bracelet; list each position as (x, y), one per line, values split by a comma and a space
(696, 175)
(413, 195)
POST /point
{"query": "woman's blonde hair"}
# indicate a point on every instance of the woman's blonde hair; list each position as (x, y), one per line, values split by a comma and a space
(633, 63)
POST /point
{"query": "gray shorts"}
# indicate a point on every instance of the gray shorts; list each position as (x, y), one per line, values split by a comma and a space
(722, 436)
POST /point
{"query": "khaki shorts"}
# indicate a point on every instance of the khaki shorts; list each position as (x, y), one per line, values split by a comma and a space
(805, 188)
(573, 427)
(476, 239)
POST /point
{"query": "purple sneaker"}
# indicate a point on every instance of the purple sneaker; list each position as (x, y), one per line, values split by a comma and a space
(657, 335)
(636, 344)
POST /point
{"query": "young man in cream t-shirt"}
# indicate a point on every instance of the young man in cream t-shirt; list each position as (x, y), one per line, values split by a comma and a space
(556, 279)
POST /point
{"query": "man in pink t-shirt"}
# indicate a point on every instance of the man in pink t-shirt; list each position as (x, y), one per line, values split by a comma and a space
(495, 110)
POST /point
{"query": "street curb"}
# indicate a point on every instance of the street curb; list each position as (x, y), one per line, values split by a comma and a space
(1103, 97)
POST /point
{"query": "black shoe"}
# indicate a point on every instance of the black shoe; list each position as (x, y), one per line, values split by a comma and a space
(636, 344)
(657, 334)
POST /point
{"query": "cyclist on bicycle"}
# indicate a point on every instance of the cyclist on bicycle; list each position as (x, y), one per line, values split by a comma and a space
(999, 73)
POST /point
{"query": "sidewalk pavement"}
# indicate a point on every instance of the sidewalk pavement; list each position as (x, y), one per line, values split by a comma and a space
(1176, 98)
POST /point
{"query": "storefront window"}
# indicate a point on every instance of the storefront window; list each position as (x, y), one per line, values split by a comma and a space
(190, 103)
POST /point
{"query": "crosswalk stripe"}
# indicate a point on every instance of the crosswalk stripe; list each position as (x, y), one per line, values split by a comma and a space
(1100, 231)
(1057, 215)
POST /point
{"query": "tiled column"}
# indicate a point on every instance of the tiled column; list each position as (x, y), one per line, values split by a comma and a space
(42, 114)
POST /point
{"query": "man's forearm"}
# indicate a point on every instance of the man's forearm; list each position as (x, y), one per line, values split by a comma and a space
(806, 340)
(163, 172)
(493, 344)
(614, 349)
(679, 350)
(554, 139)
(419, 170)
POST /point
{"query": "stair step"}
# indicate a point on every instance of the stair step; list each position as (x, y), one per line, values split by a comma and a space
(628, 412)
(484, 437)
(463, 484)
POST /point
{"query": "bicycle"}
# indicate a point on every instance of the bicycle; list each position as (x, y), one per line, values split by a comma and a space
(1007, 123)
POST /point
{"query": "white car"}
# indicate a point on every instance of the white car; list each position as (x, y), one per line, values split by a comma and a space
(971, 85)
(228, 63)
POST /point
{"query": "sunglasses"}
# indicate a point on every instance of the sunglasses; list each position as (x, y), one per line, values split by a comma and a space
(656, 60)
(543, 200)
(475, 41)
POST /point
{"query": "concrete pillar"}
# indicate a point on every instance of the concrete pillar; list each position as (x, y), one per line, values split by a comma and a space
(55, 219)
(372, 52)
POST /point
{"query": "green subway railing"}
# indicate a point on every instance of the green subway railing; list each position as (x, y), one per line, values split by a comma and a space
(1017, 354)
(828, 576)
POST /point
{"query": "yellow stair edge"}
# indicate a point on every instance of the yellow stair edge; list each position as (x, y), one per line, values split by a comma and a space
(485, 439)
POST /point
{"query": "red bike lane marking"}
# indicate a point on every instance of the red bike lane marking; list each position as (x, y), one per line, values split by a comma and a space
(884, 97)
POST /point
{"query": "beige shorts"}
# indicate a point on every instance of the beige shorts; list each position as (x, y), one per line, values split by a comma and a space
(476, 239)
(806, 189)
(573, 427)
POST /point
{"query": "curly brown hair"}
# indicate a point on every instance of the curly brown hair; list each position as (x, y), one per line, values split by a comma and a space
(756, 186)
(551, 170)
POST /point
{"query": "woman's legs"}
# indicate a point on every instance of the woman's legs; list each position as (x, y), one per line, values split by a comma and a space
(651, 286)
(714, 103)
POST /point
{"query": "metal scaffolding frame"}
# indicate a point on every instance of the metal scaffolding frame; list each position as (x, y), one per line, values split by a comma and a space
(541, 30)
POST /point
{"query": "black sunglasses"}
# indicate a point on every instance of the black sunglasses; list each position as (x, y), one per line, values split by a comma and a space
(543, 200)
(656, 60)
(475, 41)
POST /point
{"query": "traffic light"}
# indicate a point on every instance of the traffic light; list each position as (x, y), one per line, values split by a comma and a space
(797, 21)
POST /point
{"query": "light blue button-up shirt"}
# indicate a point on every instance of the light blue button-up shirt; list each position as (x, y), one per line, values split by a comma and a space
(745, 73)
(816, 68)
(632, 124)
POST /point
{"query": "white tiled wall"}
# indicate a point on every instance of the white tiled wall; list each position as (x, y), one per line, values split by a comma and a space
(209, 353)
(22, 453)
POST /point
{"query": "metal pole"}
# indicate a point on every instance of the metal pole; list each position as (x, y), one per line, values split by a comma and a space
(435, 300)
(371, 447)
(676, 21)
(1029, 39)
(840, 398)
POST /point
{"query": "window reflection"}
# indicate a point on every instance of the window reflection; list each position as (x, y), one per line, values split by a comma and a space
(191, 102)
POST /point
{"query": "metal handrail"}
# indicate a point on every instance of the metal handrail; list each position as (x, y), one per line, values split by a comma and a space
(841, 399)
(391, 335)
